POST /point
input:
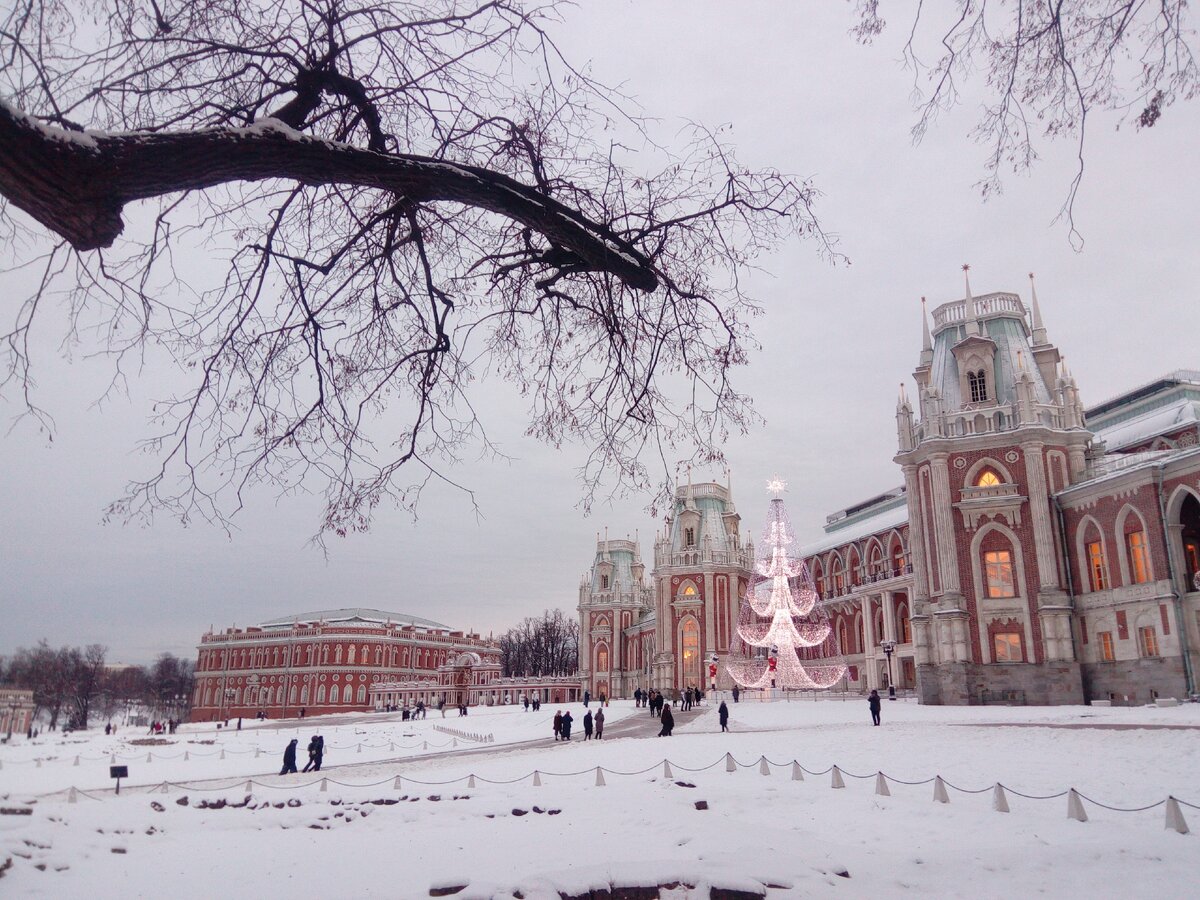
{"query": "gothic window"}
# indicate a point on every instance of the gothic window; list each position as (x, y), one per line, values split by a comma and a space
(1148, 641)
(304, 695)
(1097, 574)
(352, 654)
(903, 625)
(362, 693)
(689, 537)
(324, 654)
(602, 658)
(1106, 646)
(604, 582)
(987, 478)
(998, 573)
(337, 655)
(321, 693)
(1139, 561)
(977, 383)
(842, 638)
(897, 558)
(878, 620)
(292, 695)
(1006, 647)
(691, 646)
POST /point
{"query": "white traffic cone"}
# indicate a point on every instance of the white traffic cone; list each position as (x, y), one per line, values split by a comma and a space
(396, 784)
(667, 770)
(537, 778)
(730, 765)
(881, 785)
(999, 799)
(471, 781)
(939, 790)
(599, 777)
(835, 780)
(764, 767)
(1075, 807)
(1175, 820)
(797, 771)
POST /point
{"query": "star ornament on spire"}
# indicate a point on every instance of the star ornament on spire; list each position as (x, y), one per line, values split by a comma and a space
(777, 486)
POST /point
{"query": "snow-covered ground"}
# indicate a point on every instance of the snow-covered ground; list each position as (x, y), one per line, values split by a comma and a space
(503, 836)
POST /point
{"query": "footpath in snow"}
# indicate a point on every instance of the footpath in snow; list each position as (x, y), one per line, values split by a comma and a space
(524, 816)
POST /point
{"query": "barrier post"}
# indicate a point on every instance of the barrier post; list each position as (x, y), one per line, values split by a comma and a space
(939, 790)
(881, 785)
(999, 799)
(835, 780)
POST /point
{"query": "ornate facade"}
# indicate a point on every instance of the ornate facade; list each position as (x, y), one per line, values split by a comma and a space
(338, 661)
(1037, 552)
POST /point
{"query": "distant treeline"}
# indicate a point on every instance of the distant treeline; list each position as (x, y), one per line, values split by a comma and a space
(545, 646)
(74, 686)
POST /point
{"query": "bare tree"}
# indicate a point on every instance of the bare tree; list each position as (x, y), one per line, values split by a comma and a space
(87, 679)
(541, 646)
(404, 199)
(1048, 65)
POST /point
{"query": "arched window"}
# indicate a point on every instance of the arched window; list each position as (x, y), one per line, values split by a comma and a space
(351, 655)
(897, 558)
(859, 634)
(1096, 565)
(304, 695)
(903, 625)
(977, 383)
(604, 582)
(988, 478)
(878, 620)
(324, 654)
(842, 638)
(691, 646)
(362, 693)
(689, 537)
(321, 693)
(337, 655)
(602, 658)
(292, 695)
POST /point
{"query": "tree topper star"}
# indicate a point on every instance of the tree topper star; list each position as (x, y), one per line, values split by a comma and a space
(777, 486)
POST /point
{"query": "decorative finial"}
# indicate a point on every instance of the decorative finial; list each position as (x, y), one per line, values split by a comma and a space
(777, 486)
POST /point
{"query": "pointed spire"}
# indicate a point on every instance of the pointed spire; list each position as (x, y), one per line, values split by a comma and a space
(926, 340)
(969, 313)
(1039, 329)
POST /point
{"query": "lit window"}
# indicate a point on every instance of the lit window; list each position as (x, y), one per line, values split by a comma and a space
(1096, 570)
(987, 478)
(1148, 641)
(998, 570)
(691, 645)
(602, 659)
(689, 591)
(904, 626)
(1007, 647)
(1139, 563)
(1106, 646)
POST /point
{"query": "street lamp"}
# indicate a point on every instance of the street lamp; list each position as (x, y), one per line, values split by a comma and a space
(889, 647)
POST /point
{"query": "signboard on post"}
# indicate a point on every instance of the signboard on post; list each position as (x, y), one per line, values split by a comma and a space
(118, 772)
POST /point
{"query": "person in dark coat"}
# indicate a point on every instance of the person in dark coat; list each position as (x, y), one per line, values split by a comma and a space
(723, 715)
(587, 725)
(312, 754)
(566, 725)
(735, 693)
(558, 725)
(320, 753)
(289, 758)
(637, 697)
(599, 724)
(668, 722)
(873, 702)
(587, 697)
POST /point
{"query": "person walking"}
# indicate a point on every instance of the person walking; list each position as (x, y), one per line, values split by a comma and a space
(637, 698)
(566, 725)
(320, 756)
(289, 758)
(587, 725)
(312, 754)
(558, 725)
(587, 698)
(668, 722)
(599, 724)
(873, 703)
(723, 716)
(736, 692)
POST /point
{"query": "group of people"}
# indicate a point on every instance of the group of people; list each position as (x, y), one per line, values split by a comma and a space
(316, 754)
(534, 703)
(167, 727)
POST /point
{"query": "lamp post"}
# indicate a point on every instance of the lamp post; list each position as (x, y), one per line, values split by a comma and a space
(889, 647)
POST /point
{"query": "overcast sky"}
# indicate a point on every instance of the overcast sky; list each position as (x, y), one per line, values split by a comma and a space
(800, 96)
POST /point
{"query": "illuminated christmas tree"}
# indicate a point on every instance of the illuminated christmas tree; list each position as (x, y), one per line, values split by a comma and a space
(780, 616)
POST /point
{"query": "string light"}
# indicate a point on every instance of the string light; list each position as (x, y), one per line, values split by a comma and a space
(780, 612)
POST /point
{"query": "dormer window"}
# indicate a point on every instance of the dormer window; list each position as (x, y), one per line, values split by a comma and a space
(604, 582)
(977, 383)
(689, 537)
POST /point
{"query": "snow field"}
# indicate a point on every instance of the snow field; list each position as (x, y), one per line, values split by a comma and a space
(571, 835)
